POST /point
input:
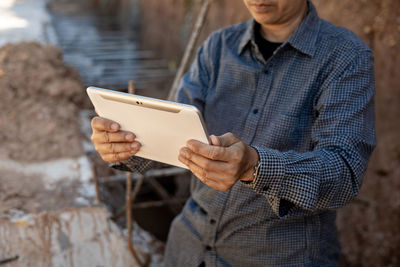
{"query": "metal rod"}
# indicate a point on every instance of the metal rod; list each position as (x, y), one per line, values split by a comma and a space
(160, 191)
(8, 260)
(190, 47)
(96, 184)
(130, 198)
(151, 173)
(129, 218)
(160, 203)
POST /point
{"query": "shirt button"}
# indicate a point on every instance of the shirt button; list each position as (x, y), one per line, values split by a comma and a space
(255, 111)
(208, 248)
(212, 221)
(266, 188)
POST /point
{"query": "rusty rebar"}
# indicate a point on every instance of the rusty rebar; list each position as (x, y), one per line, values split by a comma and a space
(129, 217)
(190, 47)
(159, 203)
(9, 259)
(130, 198)
(138, 177)
(157, 173)
(96, 184)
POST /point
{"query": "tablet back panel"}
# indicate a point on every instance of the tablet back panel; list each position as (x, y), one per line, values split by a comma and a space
(162, 128)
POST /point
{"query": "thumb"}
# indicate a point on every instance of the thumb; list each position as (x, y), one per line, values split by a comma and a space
(215, 140)
(224, 140)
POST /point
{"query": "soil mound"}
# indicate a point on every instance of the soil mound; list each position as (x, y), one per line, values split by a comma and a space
(39, 100)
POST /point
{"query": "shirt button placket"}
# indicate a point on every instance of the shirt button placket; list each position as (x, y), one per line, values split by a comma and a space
(268, 68)
(212, 223)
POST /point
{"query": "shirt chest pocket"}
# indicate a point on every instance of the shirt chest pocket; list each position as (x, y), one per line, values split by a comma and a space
(283, 132)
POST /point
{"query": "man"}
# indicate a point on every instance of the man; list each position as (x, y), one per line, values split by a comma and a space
(289, 99)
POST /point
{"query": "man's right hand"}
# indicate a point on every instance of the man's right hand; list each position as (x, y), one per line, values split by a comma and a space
(112, 144)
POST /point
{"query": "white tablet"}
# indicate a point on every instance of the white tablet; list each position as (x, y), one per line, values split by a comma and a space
(162, 127)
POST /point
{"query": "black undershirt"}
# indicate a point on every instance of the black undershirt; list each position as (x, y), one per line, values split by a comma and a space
(266, 47)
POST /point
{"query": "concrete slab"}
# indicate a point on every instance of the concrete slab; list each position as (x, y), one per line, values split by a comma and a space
(30, 187)
(71, 237)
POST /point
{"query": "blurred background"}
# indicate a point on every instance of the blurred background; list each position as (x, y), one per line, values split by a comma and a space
(60, 205)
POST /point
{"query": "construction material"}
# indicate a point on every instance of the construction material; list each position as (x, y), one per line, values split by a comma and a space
(129, 200)
(8, 260)
(189, 48)
(156, 173)
(153, 204)
(96, 184)
(168, 172)
(44, 186)
(40, 100)
(71, 237)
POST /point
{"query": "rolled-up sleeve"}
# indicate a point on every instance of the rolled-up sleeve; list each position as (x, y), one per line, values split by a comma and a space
(343, 137)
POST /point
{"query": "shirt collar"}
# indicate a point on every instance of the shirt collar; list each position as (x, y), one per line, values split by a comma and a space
(248, 35)
(303, 39)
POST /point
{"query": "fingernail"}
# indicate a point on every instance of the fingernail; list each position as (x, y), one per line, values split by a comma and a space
(134, 145)
(182, 152)
(129, 137)
(189, 144)
(114, 126)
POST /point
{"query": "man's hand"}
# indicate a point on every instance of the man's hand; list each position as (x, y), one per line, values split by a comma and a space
(112, 144)
(221, 164)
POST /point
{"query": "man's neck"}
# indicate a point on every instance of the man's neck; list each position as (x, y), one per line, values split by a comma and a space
(279, 33)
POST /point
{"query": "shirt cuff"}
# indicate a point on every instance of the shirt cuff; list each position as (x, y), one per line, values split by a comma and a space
(270, 176)
(134, 164)
(270, 173)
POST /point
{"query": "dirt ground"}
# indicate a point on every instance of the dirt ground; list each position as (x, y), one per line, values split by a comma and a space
(40, 98)
(28, 194)
(369, 227)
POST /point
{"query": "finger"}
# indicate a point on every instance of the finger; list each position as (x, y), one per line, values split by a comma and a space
(208, 151)
(117, 157)
(208, 178)
(106, 137)
(109, 148)
(205, 163)
(102, 124)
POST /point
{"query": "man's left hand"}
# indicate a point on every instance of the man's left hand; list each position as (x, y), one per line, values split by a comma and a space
(221, 164)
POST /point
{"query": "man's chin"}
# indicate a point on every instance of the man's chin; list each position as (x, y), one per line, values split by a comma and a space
(265, 19)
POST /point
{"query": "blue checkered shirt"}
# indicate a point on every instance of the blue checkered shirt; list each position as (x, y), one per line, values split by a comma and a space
(309, 112)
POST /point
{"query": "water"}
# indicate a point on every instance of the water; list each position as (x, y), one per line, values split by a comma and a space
(106, 54)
